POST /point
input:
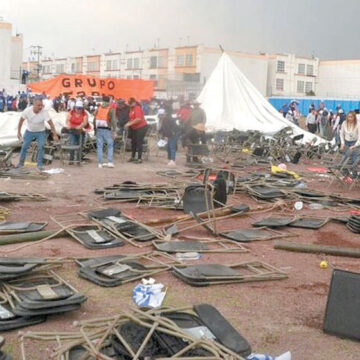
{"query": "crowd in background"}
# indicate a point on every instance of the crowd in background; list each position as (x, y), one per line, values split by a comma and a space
(341, 127)
(322, 121)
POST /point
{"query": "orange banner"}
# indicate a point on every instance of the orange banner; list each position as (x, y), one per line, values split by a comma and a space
(78, 85)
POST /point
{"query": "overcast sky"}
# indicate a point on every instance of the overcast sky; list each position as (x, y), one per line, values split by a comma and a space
(328, 29)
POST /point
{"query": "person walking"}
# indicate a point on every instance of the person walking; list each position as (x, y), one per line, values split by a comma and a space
(137, 126)
(36, 117)
(105, 129)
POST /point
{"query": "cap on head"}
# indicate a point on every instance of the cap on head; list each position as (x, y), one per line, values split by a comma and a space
(79, 104)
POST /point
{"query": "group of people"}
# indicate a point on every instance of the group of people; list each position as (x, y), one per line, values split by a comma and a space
(336, 125)
(112, 119)
(326, 122)
(18, 102)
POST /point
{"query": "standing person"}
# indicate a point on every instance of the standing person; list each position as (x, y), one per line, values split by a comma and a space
(311, 121)
(122, 114)
(350, 142)
(36, 117)
(2, 102)
(137, 130)
(9, 103)
(22, 103)
(325, 125)
(290, 116)
(71, 104)
(171, 131)
(339, 119)
(105, 129)
(197, 116)
(184, 113)
(76, 121)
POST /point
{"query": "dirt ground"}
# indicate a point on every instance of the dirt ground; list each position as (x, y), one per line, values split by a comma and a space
(273, 316)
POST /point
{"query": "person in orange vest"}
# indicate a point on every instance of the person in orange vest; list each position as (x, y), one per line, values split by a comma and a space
(105, 129)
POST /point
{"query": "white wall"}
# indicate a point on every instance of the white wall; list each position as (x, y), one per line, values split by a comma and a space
(290, 75)
(339, 79)
(254, 67)
(5, 54)
(16, 56)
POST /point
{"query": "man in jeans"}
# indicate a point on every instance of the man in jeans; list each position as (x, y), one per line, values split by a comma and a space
(105, 127)
(35, 130)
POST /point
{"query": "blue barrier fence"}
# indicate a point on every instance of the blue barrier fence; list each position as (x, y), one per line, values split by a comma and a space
(304, 103)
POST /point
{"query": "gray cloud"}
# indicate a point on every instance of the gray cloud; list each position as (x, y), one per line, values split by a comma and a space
(325, 28)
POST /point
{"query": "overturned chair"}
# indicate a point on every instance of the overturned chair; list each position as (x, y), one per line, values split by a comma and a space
(196, 332)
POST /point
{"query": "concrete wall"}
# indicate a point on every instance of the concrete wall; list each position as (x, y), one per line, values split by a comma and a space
(339, 79)
(5, 54)
(16, 56)
(254, 67)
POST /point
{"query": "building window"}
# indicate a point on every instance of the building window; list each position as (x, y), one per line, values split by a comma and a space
(280, 66)
(153, 62)
(301, 68)
(78, 67)
(135, 77)
(300, 86)
(308, 86)
(189, 59)
(162, 61)
(129, 63)
(129, 77)
(93, 66)
(73, 67)
(310, 70)
(136, 63)
(60, 68)
(280, 84)
(114, 65)
(108, 64)
(180, 60)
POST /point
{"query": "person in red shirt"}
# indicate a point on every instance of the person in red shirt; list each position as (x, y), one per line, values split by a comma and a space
(184, 113)
(137, 126)
(76, 121)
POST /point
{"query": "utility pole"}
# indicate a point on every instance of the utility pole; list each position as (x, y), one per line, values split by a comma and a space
(36, 51)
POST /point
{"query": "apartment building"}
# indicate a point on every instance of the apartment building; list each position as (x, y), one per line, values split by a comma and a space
(291, 75)
(11, 57)
(184, 70)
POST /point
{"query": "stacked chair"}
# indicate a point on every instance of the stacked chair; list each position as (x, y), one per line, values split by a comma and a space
(354, 224)
(30, 290)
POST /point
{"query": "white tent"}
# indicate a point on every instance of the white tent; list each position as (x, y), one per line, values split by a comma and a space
(231, 101)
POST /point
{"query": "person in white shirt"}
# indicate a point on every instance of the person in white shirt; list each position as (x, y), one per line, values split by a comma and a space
(311, 121)
(350, 143)
(36, 117)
